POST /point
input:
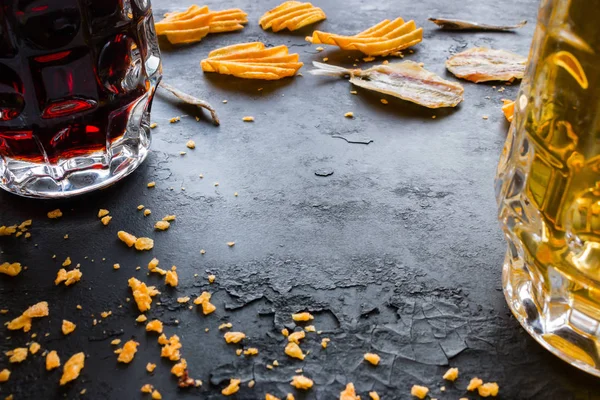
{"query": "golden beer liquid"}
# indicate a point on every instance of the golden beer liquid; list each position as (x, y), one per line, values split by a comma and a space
(548, 186)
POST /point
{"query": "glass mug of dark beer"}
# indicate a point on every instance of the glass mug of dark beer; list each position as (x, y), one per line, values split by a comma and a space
(77, 78)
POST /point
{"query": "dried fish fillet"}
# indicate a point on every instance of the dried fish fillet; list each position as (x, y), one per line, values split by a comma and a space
(481, 64)
(460, 25)
(406, 80)
(192, 100)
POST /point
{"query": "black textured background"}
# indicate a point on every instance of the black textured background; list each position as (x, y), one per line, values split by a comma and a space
(397, 252)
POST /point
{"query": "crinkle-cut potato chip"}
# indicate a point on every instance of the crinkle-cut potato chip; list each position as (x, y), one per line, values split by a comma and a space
(291, 15)
(406, 80)
(382, 39)
(196, 22)
(508, 109)
(187, 35)
(252, 61)
(481, 64)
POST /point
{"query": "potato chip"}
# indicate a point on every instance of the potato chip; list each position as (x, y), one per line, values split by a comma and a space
(252, 61)
(291, 15)
(180, 25)
(191, 12)
(187, 36)
(382, 39)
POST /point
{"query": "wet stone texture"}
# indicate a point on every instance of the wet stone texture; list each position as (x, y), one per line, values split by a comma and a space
(398, 252)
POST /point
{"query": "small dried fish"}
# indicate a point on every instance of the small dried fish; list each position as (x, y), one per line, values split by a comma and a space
(481, 64)
(460, 25)
(406, 80)
(192, 100)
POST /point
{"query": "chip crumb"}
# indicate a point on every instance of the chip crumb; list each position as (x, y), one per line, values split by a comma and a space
(153, 125)
(180, 368)
(451, 374)
(372, 358)
(154, 326)
(325, 59)
(374, 395)
(302, 317)
(275, 363)
(234, 337)
(385, 62)
(150, 367)
(174, 119)
(204, 301)
(349, 393)
(144, 243)
(78, 306)
(147, 212)
(320, 48)
(115, 342)
(294, 351)
(474, 384)
(67, 327)
(127, 352)
(349, 115)
(285, 332)
(182, 300)
(171, 277)
(140, 207)
(106, 220)
(295, 337)
(325, 342)
(224, 101)
(69, 278)
(368, 59)
(126, 238)
(155, 393)
(52, 360)
(301, 382)
(116, 266)
(142, 294)
(169, 218)
(484, 117)
(384, 101)
(105, 314)
(72, 368)
(227, 325)
(235, 194)
(230, 244)
(233, 387)
(190, 144)
(151, 184)
(10, 269)
(310, 328)
(147, 388)
(34, 347)
(488, 389)
(251, 351)
(238, 352)
(290, 397)
(419, 391)
(182, 153)
(353, 92)
(162, 225)
(248, 119)
(269, 396)
(54, 214)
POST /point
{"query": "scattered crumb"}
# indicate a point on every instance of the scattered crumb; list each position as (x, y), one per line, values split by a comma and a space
(140, 207)
(162, 225)
(310, 328)
(285, 332)
(296, 336)
(151, 184)
(147, 212)
(127, 352)
(34, 347)
(72, 368)
(37, 310)
(294, 351)
(349, 393)
(54, 214)
(433, 117)
(235, 194)
(301, 382)
(248, 119)
(174, 119)
(488, 389)
(372, 358)
(106, 220)
(17, 355)
(182, 153)
(325, 59)
(451, 374)
(251, 351)
(180, 368)
(227, 325)
(234, 337)
(419, 391)
(290, 397)
(153, 125)
(142, 294)
(182, 300)
(384, 101)
(126, 238)
(155, 393)
(474, 384)
(190, 144)
(374, 395)
(204, 301)
(105, 314)
(275, 363)
(144, 243)
(224, 101)
(484, 117)
(233, 387)
(320, 48)
(115, 342)
(302, 317)
(52, 360)
(116, 266)
(349, 115)
(353, 92)
(385, 62)
(154, 326)
(269, 396)
(67, 327)
(171, 277)
(325, 342)
(368, 59)
(238, 352)
(69, 277)
(169, 218)
(202, 251)
(10, 269)
(211, 278)
(102, 213)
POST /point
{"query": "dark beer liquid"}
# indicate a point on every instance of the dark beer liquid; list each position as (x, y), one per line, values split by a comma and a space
(70, 73)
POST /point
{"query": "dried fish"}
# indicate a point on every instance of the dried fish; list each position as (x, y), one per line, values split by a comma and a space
(406, 80)
(460, 25)
(192, 100)
(481, 64)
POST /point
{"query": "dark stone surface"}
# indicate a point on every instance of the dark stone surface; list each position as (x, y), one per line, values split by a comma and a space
(398, 252)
